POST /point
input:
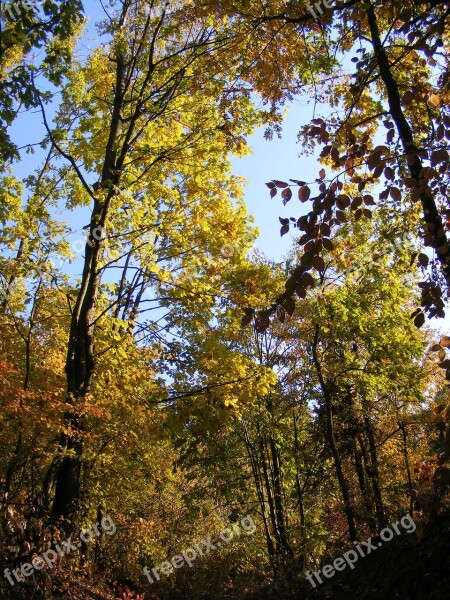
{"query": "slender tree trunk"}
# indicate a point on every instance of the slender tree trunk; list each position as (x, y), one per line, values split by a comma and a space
(343, 483)
(297, 477)
(260, 494)
(353, 428)
(270, 501)
(11, 280)
(408, 468)
(362, 485)
(16, 461)
(278, 499)
(374, 474)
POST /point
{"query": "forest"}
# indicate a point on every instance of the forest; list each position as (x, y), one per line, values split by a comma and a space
(183, 415)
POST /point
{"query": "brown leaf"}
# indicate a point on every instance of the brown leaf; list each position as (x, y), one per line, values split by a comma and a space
(325, 229)
(328, 244)
(395, 194)
(289, 305)
(304, 193)
(281, 315)
(434, 100)
(407, 98)
(247, 318)
(262, 322)
(318, 263)
(286, 194)
(438, 156)
(379, 170)
(436, 348)
(307, 280)
(356, 203)
(280, 184)
(445, 341)
(389, 173)
(342, 201)
(423, 260)
(419, 317)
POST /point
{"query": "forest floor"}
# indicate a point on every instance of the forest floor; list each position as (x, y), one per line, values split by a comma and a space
(407, 568)
(410, 567)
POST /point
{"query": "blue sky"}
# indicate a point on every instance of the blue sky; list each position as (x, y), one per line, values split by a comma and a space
(276, 159)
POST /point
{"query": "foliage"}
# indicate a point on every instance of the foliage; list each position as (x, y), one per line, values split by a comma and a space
(142, 373)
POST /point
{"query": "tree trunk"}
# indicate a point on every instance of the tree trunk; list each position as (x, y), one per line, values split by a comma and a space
(65, 470)
(278, 499)
(260, 494)
(434, 226)
(343, 483)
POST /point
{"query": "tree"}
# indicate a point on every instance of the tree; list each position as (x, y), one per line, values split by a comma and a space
(25, 27)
